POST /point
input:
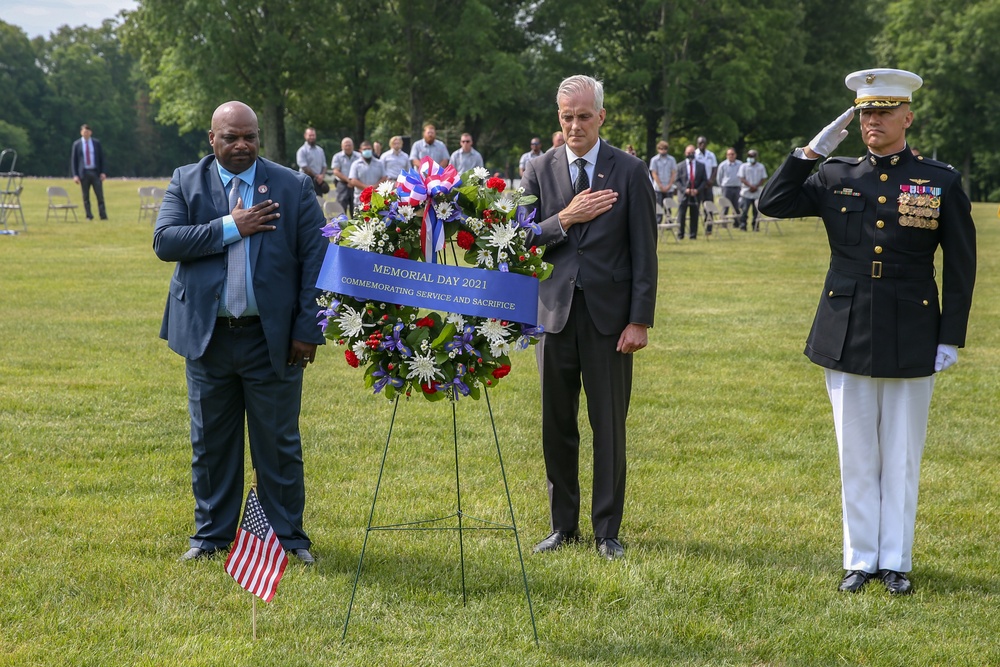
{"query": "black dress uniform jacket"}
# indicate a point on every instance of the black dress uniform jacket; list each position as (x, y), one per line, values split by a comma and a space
(879, 313)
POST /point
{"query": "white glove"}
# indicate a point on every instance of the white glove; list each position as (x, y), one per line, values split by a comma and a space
(947, 355)
(830, 136)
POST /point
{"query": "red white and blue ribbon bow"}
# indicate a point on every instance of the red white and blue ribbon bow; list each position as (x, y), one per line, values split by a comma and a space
(420, 186)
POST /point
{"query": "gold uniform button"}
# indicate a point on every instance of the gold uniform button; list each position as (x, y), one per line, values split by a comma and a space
(878, 250)
(843, 209)
(925, 302)
(880, 224)
(830, 293)
(884, 177)
(881, 200)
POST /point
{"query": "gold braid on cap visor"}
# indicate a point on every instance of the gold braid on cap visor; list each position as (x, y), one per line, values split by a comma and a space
(878, 101)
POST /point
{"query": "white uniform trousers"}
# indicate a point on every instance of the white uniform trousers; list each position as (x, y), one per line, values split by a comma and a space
(881, 428)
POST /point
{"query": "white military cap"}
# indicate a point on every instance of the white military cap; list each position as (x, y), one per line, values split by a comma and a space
(882, 88)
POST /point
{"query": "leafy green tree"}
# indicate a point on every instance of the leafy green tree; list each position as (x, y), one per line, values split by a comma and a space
(22, 93)
(198, 54)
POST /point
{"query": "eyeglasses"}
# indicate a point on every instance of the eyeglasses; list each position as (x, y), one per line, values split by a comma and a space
(535, 143)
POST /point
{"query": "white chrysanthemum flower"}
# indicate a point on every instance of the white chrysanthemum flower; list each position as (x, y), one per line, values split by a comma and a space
(443, 210)
(505, 204)
(481, 173)
(484, 258)
(499, 349)
(386, 188)
(406, 211)
(457, 320)
(424, 368)
(502, 236)
(360, 350)
(351, 323)
(365, 235)
(493, 331)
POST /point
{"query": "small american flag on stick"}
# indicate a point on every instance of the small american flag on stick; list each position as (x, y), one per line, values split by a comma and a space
(257, 560)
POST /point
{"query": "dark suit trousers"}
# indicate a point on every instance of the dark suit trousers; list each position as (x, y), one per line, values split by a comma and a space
(581, 350)
(93, 178)
(232, 380)
(682, 210)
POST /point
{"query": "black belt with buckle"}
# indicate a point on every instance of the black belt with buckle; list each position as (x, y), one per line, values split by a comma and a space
(878, 269)
(237, 322)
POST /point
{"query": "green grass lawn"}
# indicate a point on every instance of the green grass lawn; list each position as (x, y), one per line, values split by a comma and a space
(732, 517)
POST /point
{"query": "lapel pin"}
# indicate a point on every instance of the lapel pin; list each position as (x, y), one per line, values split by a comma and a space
(600, 175)
(262, 189)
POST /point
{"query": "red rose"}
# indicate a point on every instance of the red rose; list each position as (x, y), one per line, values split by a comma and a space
(401, 253)
(465, 240)
(424, 322)
(428, 388)
(352, 359)
(366, 194)
(496, 183)
(501, 371)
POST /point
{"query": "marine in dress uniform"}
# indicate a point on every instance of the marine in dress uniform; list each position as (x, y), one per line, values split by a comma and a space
(882, 330)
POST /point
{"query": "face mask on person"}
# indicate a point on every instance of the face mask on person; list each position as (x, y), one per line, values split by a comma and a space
(751, 160)
(366, 154)
(689, 156)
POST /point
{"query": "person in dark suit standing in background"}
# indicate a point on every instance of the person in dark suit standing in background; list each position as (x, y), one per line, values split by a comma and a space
(87, 164)
(597, 216)
(691, 180)
(245, 234)
(880, 331)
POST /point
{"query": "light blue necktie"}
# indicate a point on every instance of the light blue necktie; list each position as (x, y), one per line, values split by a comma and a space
(236, 274)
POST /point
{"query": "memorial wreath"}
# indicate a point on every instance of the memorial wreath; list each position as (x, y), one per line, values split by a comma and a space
(416, 218)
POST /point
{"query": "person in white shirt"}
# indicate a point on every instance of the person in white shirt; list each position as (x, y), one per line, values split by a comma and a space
(729, 178)
(395, 160)
(536, 151)
(364, 172)
(707, 158)
(341, 165)
(752, 177)
(466, 157)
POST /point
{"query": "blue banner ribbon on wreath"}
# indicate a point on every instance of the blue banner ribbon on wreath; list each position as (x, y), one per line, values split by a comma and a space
(441, 287)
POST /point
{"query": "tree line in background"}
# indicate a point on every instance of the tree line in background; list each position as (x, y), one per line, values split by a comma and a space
(761, 73)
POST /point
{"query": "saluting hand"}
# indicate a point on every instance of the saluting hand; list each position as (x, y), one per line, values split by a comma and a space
(824, 143)
(256, 218)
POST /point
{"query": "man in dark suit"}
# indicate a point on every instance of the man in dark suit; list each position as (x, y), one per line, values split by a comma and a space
(691, 180)
(880, 331)
(87, 165)
(245, 233)
(596, 211)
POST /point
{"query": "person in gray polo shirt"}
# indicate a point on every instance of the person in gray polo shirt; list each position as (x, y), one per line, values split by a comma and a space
(466, 157)
(429, 146)
(395, 160)
(341, 165)
(312, 162)
(364, 172)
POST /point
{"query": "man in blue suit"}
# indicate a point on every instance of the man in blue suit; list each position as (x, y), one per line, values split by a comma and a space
(87, 164)
(245, 233)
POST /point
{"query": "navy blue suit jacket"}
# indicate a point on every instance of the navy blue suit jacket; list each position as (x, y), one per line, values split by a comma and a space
(285, 262)
(76, 158)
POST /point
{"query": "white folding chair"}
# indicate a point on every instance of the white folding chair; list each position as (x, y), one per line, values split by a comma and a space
(59, 201)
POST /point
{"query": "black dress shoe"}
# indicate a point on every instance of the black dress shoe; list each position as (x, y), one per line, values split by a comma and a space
(303, 555)
(555, 541)
(197, 553)
(854, 580)
(610, 548)
(895, 582)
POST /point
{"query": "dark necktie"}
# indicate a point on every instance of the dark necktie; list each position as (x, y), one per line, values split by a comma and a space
(87, 163)
(582, 182)
(236, 273)
(691, 172)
